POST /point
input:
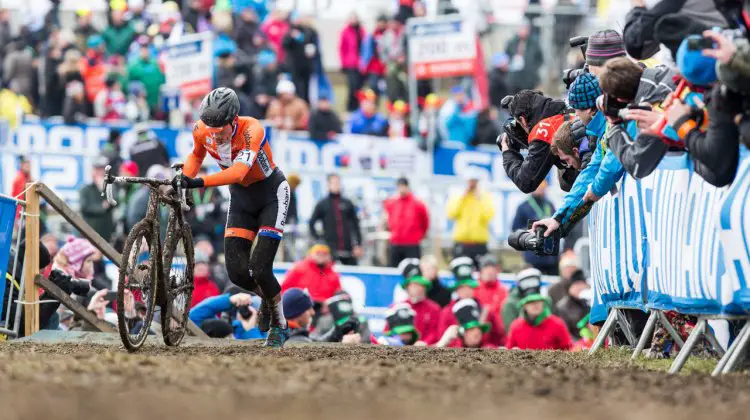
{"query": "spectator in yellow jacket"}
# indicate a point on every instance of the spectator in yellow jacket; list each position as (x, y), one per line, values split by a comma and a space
(13, 105)
(472, 213)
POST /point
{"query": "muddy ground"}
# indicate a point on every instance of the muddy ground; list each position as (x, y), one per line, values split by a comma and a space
(85, 381)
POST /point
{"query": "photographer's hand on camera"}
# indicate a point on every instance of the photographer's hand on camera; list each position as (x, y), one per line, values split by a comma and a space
(241, 299)
(550, 224)
(248, 317)
(723, 51)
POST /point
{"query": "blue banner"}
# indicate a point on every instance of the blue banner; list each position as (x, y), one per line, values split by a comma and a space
(7, 219)
(671, 241)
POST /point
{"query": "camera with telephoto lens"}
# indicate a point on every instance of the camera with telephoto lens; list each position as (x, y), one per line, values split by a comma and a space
(569, 75)
(534, 241)
(517, 136)
(68, 284)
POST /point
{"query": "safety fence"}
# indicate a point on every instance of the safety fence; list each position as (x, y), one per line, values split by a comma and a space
(673, 242)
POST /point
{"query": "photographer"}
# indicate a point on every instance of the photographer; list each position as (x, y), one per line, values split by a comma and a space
(572, 142)
(585, 151)
(12, 286)
(341, 316)
(241, 308)
(299, 312)
(536, 118)
(711, 139)
(625, 82)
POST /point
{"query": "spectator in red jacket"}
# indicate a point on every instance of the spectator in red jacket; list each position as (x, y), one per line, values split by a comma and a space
(408, 221)
(314, 273)
(536, 328)
(23, 176)
(471, 331)
(463, 268)
(275, 28)
(427, 312)
(490, 293)
(350, 44)
(204, 285)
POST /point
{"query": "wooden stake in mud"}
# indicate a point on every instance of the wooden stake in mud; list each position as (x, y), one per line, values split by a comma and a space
(31, 259)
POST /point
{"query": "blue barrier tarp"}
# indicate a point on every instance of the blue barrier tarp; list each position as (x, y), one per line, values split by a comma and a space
(7, 219)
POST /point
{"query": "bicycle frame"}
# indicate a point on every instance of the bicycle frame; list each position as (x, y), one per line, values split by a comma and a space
(176, 200)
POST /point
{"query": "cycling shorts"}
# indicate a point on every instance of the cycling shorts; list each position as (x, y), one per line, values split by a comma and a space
(259, 208)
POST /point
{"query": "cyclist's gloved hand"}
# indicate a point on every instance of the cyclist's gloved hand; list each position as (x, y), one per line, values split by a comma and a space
(187, 182)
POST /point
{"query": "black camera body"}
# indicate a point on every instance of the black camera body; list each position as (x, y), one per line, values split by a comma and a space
(68, 284)
(244, 311)
(569, 75)
(610, 106)
(525, 240)
(517, 136)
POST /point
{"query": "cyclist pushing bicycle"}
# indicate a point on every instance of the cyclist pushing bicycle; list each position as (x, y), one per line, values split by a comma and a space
(259, 200)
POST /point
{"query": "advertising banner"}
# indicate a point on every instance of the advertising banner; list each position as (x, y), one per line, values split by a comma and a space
(444, 47)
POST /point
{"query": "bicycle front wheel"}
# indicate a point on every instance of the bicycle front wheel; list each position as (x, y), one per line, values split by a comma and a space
(178, 276)
(137, 283)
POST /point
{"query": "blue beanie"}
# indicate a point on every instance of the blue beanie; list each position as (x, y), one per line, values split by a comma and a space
(584, 91)
(295, 302)
(694, 66)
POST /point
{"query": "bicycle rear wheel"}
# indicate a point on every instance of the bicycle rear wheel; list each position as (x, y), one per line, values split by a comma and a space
(138, 276)
(178, 276)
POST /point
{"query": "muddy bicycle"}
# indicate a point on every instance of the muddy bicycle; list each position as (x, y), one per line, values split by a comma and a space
(152, 272)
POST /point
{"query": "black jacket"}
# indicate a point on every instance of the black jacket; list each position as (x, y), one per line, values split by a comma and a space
(487, 129)
(74, 112)
(148, 153)
(572, 311)
(295, 59)
(439, 293)
(323, 122)
(528, 173)
(498, 86)
(340, 224)
(94, 213)
(715, 152)
(640, 156)
(639, 34)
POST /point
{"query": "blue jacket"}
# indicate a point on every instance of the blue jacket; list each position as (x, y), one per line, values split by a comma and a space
(528, 212)
(376, 125)
(458, 125)
(602, 172)
(209, 308)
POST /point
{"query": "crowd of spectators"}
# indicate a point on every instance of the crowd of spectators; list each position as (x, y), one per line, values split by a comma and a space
(271, 57)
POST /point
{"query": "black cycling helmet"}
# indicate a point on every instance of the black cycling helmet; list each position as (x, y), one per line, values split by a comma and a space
(220, 107)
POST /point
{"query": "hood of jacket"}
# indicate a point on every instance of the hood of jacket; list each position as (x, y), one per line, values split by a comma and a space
(544, 107)
(656, 84)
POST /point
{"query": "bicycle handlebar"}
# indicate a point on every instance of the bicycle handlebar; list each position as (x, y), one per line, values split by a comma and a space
(109, 180)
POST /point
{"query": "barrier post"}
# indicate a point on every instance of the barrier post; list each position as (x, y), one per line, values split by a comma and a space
(31, 261)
